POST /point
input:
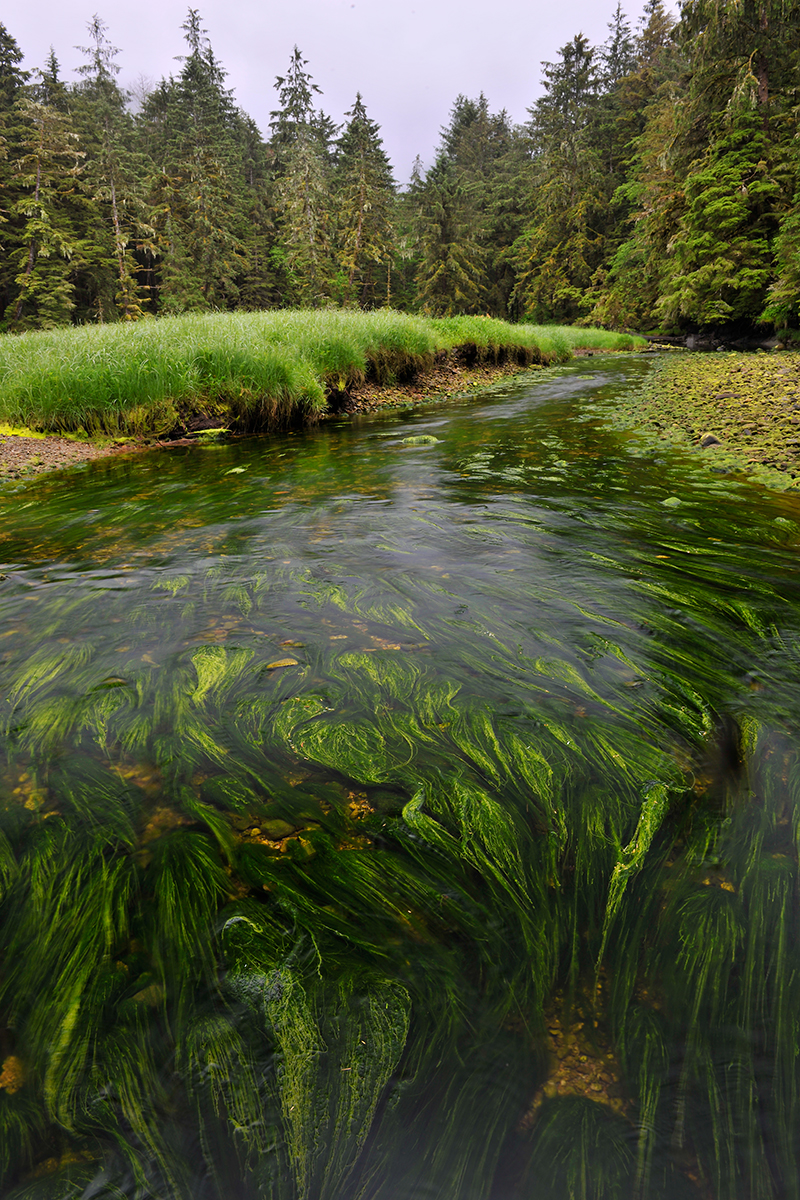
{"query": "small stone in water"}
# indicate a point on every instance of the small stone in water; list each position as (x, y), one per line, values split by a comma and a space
(282, 662)
(276, 829)
(422, 439)
(671, 502)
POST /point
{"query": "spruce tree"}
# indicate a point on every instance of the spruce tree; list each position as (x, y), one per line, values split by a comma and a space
(615, 116)
(46, 177)
(722, 254)
(467, 214)
(12, 77)
(257, 283)
(451, 274)
(649, 200)
(561, 247)
(302, 205)
(364, 192)
(115, 176)
(12, 81)
(737, 172)
(483, 148)
(197, 196)
(407, 225)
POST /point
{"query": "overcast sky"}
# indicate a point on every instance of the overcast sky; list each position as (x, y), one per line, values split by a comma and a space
(409, 60)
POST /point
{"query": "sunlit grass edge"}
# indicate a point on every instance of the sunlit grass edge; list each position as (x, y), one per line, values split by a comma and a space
(252, 370)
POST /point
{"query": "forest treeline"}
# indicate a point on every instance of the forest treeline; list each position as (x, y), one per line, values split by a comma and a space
(653, 186)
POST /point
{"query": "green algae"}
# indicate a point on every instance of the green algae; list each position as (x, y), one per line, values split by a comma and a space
(742, 411)
(300, 932)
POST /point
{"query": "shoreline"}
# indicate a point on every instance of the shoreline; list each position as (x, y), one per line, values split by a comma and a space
(25, 453)
(740, 411)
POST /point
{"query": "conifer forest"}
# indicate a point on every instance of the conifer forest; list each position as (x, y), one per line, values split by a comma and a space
(654, 185)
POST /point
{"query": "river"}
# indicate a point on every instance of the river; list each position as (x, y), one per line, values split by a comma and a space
(403, 809)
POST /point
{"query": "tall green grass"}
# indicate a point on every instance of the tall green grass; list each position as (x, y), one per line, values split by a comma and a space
(249, 370)
(495, 340)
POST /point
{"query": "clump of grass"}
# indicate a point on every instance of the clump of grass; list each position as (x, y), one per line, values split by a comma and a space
(494, 341)
(252, 370)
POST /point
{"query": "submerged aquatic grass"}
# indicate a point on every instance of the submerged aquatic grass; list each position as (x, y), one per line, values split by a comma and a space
(317, 836)
(251, 370)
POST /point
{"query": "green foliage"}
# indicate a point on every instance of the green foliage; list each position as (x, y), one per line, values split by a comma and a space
(722, 259)
(364, 189)
(655, 182)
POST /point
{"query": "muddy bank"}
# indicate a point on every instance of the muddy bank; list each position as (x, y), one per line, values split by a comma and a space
(22, 456)
(446, 379)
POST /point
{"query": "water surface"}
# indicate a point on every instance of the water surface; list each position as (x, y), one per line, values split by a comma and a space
(385, 820)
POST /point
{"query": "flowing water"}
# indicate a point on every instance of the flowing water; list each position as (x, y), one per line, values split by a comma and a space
(389, 819)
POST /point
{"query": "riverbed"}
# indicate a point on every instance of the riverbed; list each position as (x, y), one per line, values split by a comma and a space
(402, 808)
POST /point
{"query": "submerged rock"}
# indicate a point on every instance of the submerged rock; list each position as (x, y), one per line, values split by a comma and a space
(276, 829)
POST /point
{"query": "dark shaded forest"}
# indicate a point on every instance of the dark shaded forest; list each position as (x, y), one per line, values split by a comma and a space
(653, 186)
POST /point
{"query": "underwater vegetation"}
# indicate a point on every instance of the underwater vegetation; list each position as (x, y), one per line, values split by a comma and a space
(330, 873)
(251, 371)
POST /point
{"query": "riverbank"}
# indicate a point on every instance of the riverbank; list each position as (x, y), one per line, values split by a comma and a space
(24, 453)
(116, 389)
(249, 372)
(741, 412)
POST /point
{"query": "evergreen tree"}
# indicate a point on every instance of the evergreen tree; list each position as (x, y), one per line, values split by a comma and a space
(303, 216)
(486, 154)
(12, 81)
(468, 213)
(616, 118)
(737, 176)
(562, 245)
(115, 176)
(407, 229)
(296, 91)
(46, 176)
(365, 192)
(196, 197)
(12, 77)
(451, 273)
(722, 256)
(257, 283)
(649, 200)
(655, 38)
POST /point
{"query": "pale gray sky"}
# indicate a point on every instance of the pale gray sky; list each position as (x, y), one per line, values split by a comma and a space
(409, 60)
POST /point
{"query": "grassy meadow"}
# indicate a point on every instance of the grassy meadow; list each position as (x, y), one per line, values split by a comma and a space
(252, 371)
